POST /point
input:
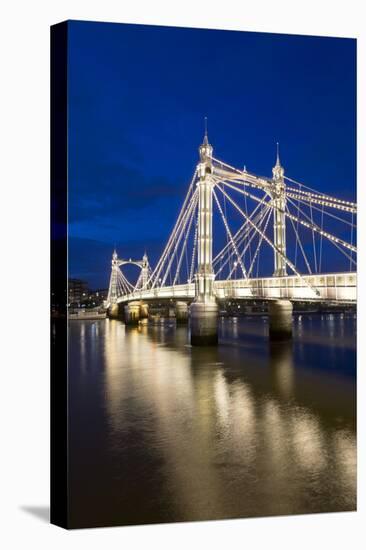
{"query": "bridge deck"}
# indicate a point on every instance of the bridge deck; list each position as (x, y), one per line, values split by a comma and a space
(332, 287)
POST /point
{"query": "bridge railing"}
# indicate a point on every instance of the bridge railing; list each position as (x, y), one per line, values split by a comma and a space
(339, 287)
(332, 287)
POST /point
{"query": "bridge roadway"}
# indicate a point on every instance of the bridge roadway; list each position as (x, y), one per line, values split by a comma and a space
(331, 287)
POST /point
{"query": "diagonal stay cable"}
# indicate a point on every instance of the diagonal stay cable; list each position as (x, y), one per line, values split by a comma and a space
(260, 240)
(316, 228)
(229, 234)
(178, 237)
(334, 240)
(172, 239)
(298, 241)
(156, 272)
(258, 221)
(184, 246)
(272, 245)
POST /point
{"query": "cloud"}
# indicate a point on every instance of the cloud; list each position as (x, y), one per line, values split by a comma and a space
(100, 188)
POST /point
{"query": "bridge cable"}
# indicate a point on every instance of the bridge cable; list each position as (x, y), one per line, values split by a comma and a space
(298, 241)
(275, 248)
(172, 240)
(314, 247)
(262, 183)
(244, 228)
(258, 220)
(320, 201)
(321, 240)
(298, 206)
(156, 272)
(329, 236)
(315, 193)
(246, 211)
(334, 240)
(350, 263)
(187, 232)
(178, 238)
(338, 218)
(260, 240)
(194, 251)
(229, 235)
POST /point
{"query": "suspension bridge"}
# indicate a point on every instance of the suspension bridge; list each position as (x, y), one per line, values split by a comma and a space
(231, 224)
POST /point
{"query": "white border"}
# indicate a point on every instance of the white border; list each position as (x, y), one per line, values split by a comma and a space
(24, 401)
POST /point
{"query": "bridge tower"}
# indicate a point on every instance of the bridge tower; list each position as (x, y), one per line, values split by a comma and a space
(144, 270)
(113, 309)
(204, 310)
(280, 311)
(279, 218)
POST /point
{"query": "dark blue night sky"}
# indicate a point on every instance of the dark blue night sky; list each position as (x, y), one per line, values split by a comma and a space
(138, 96)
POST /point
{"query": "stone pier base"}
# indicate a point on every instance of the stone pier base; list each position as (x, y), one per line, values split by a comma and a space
(181, 313)
(280, 320)
(113, 311)
(132, 313)
(144, 311)
(171, 312)
(203, 322)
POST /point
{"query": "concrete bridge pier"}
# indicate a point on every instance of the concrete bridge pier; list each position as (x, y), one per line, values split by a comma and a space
(132, 313)
(113, 311)
(181, 313)
(203, 323)
(144, 310)
(171, 312)
(280, 319)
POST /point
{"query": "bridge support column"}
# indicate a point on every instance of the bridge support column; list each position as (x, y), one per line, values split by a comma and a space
(280, 320)
(279, 218)
(203, 322)
(171, 312)
(113, 311)
(144, 311)
(132, 313)
(181, 313)
(204, 310)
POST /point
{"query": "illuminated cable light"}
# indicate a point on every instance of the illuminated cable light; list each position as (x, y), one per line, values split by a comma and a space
(268, 182)
(288, 262)
(324, 203)
(312, 227)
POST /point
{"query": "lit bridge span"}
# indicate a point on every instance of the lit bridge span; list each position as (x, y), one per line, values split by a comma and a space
(233, 227)
(334, 287)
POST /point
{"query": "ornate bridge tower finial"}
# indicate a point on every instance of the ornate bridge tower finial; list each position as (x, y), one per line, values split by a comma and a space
(278, 171)
(206, 149)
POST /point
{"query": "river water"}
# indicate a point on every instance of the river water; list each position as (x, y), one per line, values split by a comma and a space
(163, 432)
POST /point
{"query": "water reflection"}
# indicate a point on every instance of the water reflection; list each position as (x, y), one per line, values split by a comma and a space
(162, 431)
(307, 440)
(282, 368)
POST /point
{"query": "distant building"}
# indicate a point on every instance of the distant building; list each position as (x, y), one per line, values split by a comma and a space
(97, 297)
(78, 292)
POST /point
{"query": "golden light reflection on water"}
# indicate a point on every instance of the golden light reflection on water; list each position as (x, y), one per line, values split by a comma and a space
(344, 448)
(234, 433)
(275, 433)
(282, 367)
(307, 441)
(222, 398)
